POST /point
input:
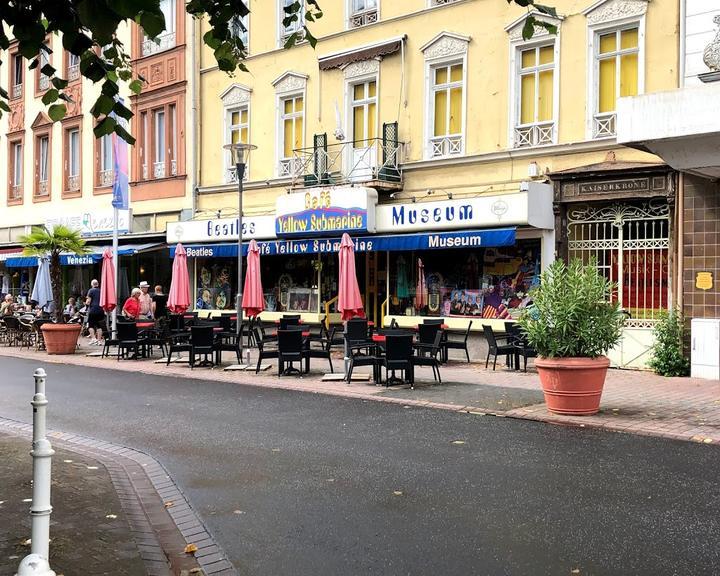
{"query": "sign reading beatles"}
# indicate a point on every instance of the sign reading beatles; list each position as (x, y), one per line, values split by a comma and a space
(326, 212)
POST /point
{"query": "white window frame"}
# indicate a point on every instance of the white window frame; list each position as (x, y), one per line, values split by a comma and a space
(291, 163)
(594, 32)
(282, 32)
(17, 157)
(350, 99)
(363, 17)
(74, 160)
(430, 89)
(230, 171)
(516, 48)
(43, 164)
(17, 64)
(106, 161)
(159, 168)
(245, 36)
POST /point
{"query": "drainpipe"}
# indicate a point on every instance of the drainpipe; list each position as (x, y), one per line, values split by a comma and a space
(683, 44)
(195, 117)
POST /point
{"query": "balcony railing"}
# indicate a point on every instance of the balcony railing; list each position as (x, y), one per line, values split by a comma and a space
(42, 188)
(446, 146)
(162, 42)
(604, 125)
(534, 134)
(231, 174)
(107, 177)
(374, 160)
(158, 169)
(73, 183)
(16, 91)
(44, 82)
(73, 72)
(363, 18)
(15, 192)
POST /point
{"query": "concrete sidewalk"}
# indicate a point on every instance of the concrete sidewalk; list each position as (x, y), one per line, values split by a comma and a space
(635, 402)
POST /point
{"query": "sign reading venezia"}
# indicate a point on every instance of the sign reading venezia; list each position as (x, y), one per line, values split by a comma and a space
(330, 212)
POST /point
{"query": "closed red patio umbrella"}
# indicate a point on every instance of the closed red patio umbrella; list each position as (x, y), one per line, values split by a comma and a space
(253, 301)
(108, 297)
(349, 302)
(179, 296)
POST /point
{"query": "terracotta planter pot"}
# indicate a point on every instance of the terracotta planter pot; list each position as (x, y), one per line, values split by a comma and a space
(573, 385)
(60, 338)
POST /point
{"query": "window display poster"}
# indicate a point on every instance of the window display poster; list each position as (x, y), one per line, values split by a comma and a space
(213, 286)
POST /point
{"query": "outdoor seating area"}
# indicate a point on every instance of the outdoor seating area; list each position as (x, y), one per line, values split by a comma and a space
(22, 330)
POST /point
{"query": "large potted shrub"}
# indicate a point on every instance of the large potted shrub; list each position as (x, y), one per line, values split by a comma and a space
(572, 324)
(60, 338)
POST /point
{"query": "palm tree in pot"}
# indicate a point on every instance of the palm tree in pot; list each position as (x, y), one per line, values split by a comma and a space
(45, 242)
(573, 322)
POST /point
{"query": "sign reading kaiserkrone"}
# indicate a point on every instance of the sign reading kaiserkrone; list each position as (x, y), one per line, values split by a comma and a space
(326, 212)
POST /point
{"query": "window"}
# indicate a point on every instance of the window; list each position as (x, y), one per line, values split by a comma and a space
(43, 82)
(293, 27)
(106, 164)
(73, 67)
(363, 12)
(172, 139)
(16, 76)
(239, 27)
(535, 116)
(446, 103)
(291, 132)
(72, 159)
(166, 39)
(42, 165)
(159, 140)
(364, 113)
(16, 170)
(617, 74)
(237, 132)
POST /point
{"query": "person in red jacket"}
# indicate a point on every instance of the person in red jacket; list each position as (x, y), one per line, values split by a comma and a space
(131, 308)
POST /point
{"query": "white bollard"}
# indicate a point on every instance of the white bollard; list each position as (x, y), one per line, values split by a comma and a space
(36, 563)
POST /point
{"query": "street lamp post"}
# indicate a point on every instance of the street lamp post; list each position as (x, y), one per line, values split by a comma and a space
(239, 154)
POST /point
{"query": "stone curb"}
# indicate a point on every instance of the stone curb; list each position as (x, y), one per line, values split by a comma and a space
(144, 488)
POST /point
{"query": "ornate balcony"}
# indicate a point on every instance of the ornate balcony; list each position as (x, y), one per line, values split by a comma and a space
(15, 192)
(107, 177)
(534, 134)
(42, 188)
(604, 125)
(364, 18)
(231, 175)
(16, 91)
(162, 42)
(73, 72)
(73, 183)
(44, 82)
(446, 146)
(374, 162)
(158, 170)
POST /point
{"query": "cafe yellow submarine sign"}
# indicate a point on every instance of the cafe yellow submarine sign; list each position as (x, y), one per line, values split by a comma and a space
(326, 212)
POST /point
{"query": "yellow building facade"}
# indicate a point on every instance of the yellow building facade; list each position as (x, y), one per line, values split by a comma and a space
(416, 108)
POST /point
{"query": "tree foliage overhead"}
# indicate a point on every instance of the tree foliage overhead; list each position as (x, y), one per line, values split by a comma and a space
(88, 30)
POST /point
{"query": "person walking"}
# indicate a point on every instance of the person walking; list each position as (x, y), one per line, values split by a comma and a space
(96, 315)
(131, 308)
(145, 300)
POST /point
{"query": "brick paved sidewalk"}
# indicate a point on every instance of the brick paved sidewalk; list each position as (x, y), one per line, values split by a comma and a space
(89, 530)
(635, 402)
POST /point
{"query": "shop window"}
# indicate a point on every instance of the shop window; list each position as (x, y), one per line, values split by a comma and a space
(106, 165)
(72, 160)
(362, 12)
(166, 39)
(446, 104)
(617, 54)
(292, 114)
(295, 26)
(238, 127)
(535, 86)
(17, 74)
(42, 165)
(484, 283)
(15, 188)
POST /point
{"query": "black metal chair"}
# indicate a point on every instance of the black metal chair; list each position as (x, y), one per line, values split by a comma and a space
(159, 336)
(288, 321)
(323, 351)
(495, 348)
(229, 342)
(437, 321)
(264, 351)
(12, 327)
(224, 322)
(518, 340)
(202, 343)
(427, 355)
(290, 350)
(398, 356)
(357, 357)
(356, 334)
(449, 344)
(127, 337)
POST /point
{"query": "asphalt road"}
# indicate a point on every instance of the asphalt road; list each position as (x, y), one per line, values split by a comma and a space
(303, 484)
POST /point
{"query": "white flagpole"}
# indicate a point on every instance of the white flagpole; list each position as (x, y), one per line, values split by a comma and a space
(117, 271)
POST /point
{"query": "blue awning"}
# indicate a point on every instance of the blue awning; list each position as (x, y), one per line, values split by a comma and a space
(407, 242)
(74, 260)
